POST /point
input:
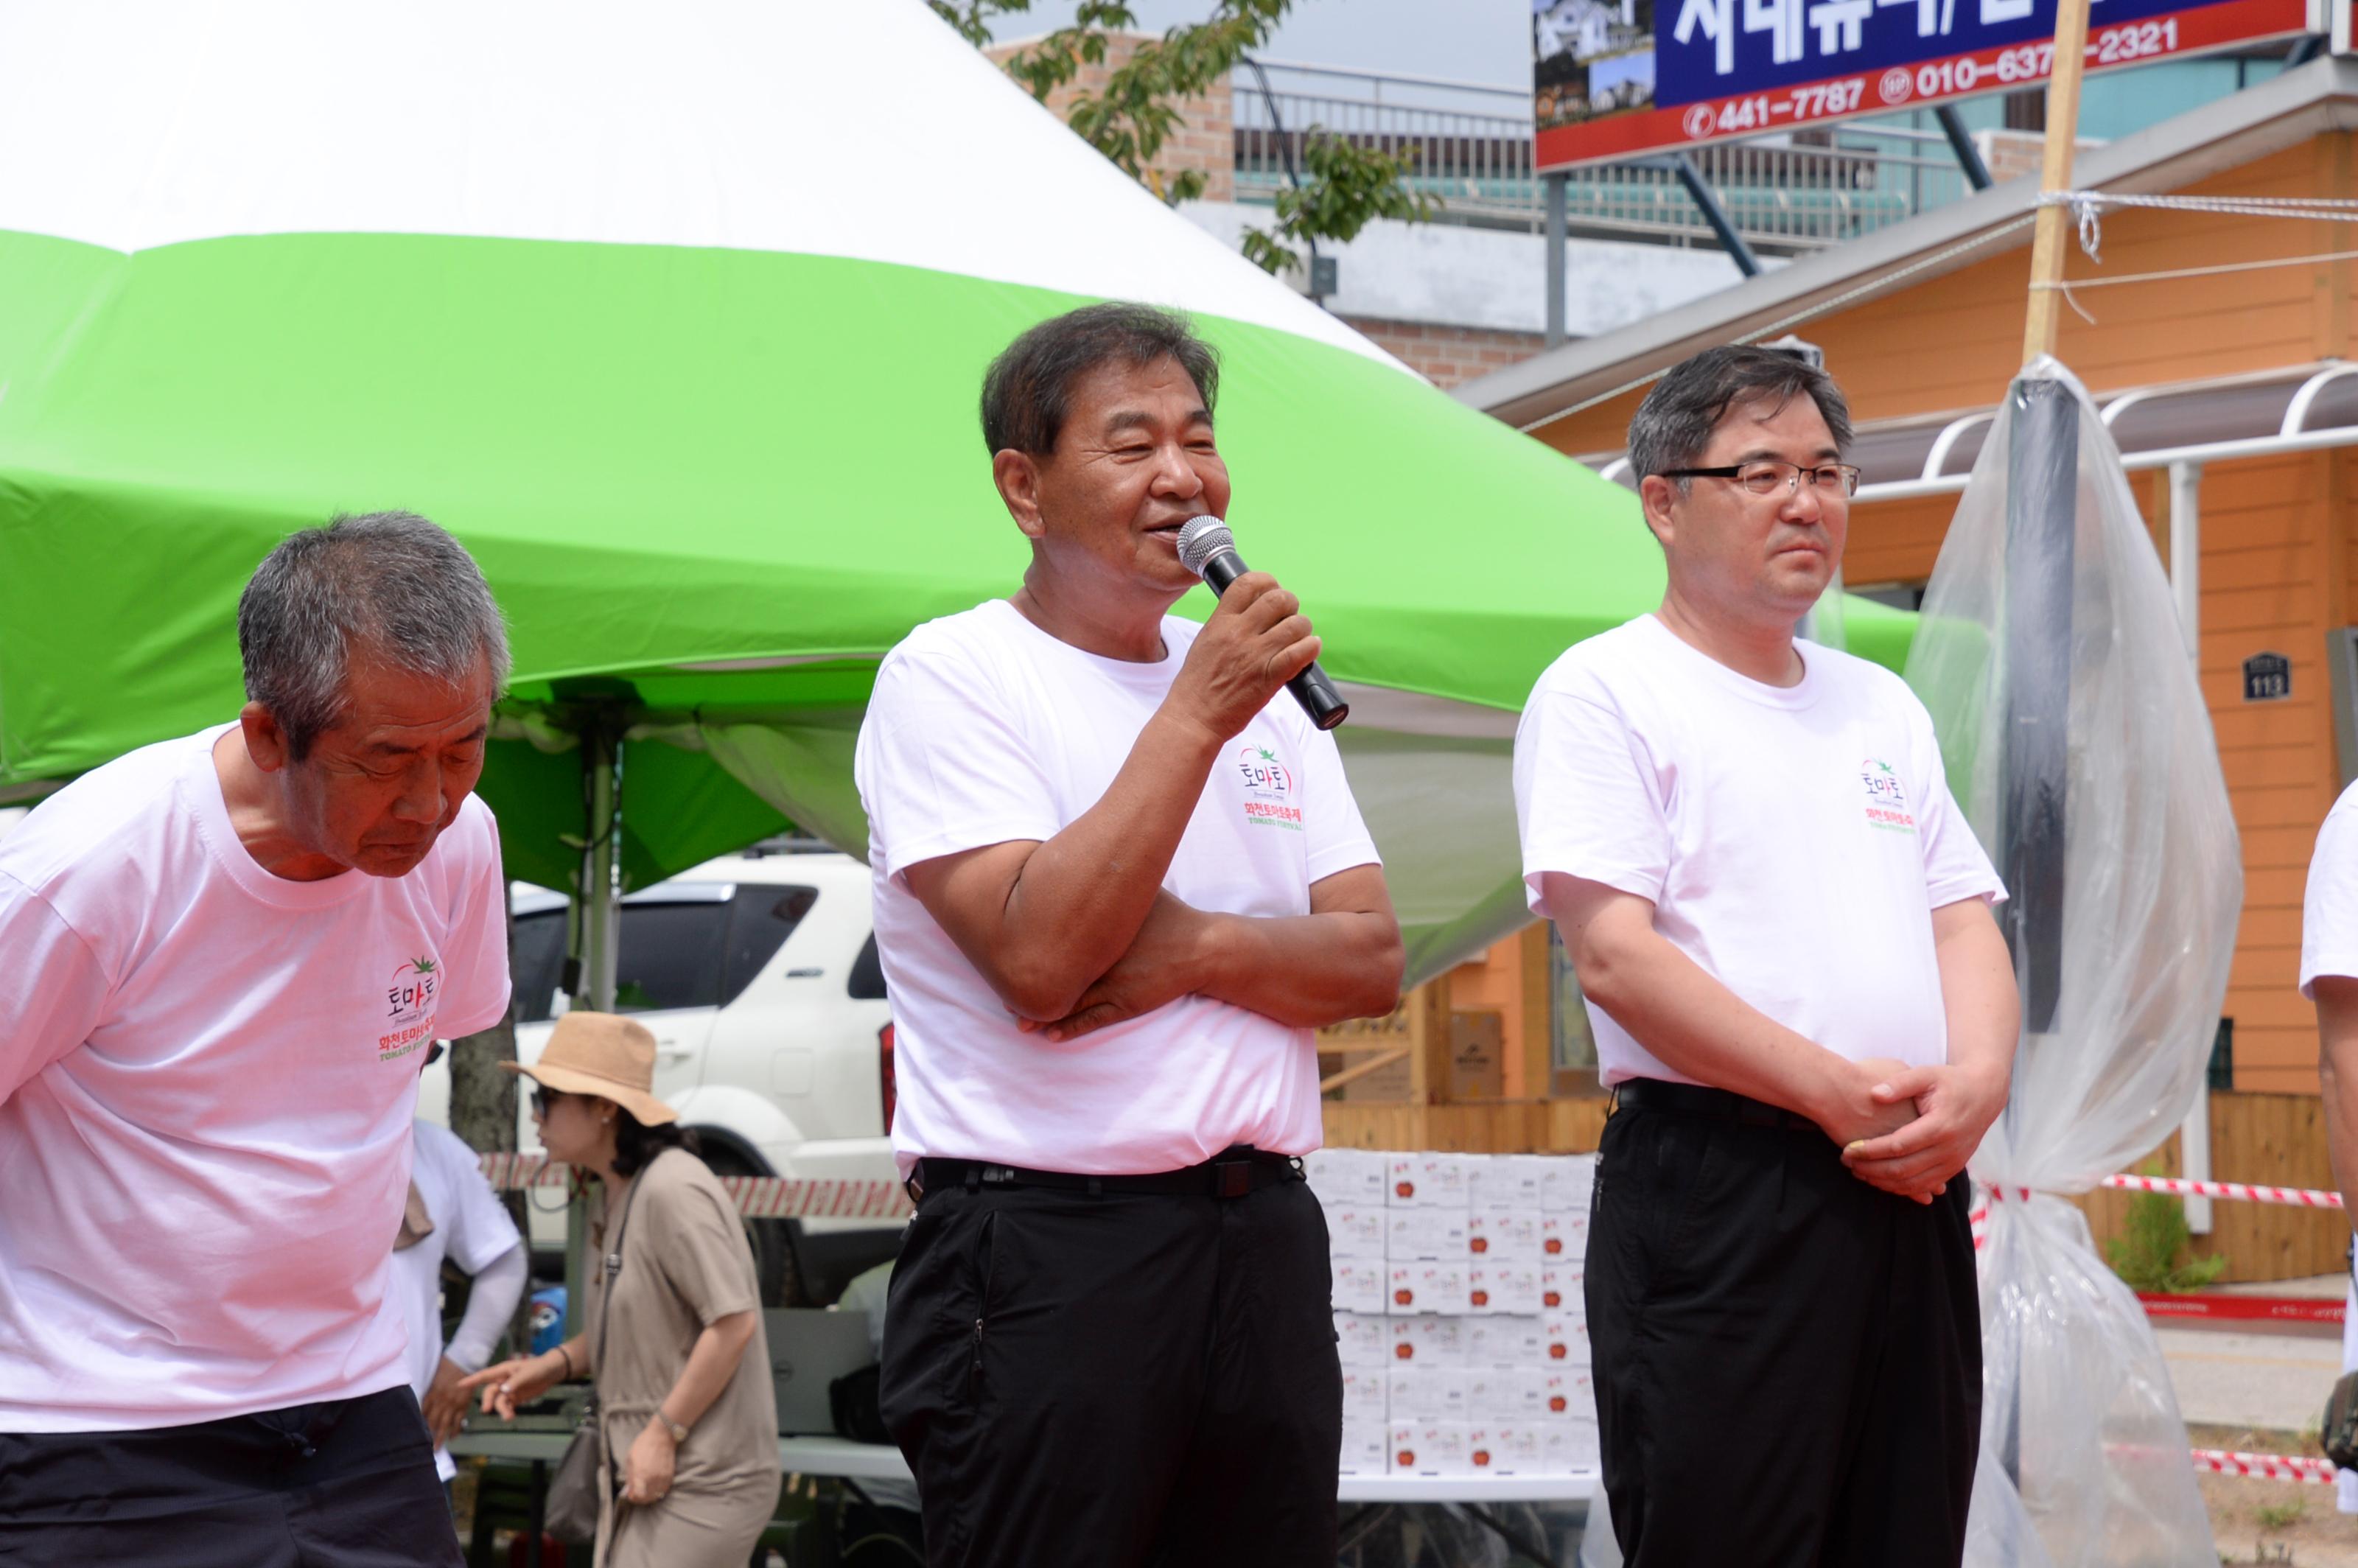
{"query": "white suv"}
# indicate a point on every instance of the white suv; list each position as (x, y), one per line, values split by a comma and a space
(757, 974)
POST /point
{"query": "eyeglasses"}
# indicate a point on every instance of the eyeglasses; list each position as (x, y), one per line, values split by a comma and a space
(1766, 477)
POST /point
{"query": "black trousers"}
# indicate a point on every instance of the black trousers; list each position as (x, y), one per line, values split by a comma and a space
(1788, 1368)
(345, 1484)
(1114, 1380)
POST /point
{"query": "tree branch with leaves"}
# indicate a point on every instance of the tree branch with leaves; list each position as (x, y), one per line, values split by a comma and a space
(1345, 185)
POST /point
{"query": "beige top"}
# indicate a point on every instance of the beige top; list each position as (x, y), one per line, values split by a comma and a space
(684, 1263)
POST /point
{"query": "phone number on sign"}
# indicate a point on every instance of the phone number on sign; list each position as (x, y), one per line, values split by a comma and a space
(2033, 62)
(1936, 79)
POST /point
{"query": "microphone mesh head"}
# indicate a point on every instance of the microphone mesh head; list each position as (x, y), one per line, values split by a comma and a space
(1201, 538)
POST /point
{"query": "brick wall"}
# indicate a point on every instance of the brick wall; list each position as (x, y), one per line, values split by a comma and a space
(1205, 141)
(1448, 355)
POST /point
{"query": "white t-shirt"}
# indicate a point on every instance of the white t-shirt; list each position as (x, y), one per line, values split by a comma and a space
(983, 730)
(2329, 909)
(1794, 841)
(471, 1228)
(206, 1082)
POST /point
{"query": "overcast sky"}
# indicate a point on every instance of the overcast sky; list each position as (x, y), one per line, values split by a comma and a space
(1487, 41)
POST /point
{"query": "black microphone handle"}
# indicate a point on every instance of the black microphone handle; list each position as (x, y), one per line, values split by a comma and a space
(1311, 687)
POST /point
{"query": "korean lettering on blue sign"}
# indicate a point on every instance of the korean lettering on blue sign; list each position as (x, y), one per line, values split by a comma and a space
(1715, 47)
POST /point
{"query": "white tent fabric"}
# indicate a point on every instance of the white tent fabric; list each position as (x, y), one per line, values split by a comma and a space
(522, 120)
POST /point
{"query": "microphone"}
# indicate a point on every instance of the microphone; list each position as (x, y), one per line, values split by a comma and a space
(1209, 550)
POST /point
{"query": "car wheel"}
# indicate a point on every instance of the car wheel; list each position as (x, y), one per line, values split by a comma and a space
(771, 1239)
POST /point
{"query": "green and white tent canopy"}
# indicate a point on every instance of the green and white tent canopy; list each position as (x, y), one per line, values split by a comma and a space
(676, 315)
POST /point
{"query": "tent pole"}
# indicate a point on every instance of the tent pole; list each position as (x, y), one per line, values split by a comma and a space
(597, 921)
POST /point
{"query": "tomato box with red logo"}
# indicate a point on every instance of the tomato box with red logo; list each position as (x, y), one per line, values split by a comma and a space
(1564, 1186)
(1563, 1393)
(1564, 1236)
(1503, 1235)
(1359, 1284)
(1346, 1176)
(1503, 1287)
(1363, 1340)
(1430, 1341)
(1429, 1448)
(1560, 1286)
(1434, 1234)
(1358, 1230)
(1564, 1337)
(1504, 1341)
(1425, 1180)
(1366, 1447)
(1427, 1287)
(1504, 1449)
(1427, 1393)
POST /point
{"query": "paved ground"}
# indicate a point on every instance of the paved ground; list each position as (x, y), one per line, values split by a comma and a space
(2272, 1380)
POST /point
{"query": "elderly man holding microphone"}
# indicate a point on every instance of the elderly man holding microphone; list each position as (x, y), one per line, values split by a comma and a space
(1119, 877)
(229, 954)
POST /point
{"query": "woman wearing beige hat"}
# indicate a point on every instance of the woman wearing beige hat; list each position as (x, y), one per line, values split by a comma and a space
(683, 1381)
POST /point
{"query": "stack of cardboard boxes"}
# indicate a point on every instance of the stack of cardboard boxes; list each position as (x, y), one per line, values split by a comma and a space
(1458, 1310)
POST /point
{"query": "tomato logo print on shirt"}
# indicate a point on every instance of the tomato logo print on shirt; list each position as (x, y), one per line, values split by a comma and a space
(408, 1018)
(1270, 799)
(1886, 800)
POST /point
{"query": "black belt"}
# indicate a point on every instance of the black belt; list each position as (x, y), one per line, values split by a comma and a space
(1694, 1099)
(1231, 1173)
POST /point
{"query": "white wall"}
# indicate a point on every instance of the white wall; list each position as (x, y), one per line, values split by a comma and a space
(1449, 274)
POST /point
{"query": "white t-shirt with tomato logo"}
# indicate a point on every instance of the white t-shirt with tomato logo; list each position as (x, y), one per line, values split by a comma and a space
(984, 730)
(1795, 840)
(207, 1076)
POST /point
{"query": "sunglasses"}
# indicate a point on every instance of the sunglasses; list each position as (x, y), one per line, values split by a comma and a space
(542, 1099)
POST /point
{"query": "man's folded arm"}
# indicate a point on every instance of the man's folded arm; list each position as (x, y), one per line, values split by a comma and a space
(1041, 919)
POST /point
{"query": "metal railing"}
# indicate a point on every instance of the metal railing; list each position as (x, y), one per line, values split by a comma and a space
(1472, 151)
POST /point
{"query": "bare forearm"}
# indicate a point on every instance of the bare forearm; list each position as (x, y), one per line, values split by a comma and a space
(2337, 1030)
(1699, 1029)
(1977, 994)
(711, 1362)
(1081, 897)
(1309, 970)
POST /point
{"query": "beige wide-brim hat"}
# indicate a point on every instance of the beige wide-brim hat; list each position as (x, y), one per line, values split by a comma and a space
(600, 1054)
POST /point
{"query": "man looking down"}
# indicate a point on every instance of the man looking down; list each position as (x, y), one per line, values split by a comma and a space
(231, 953)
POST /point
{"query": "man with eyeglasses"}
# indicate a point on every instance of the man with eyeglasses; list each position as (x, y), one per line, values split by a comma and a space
(1781, 924)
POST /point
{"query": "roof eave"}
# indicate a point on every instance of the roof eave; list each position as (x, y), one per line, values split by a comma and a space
(2224, 134)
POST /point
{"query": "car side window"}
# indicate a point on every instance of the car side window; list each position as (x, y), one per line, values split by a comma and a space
(760, 918)
(867, 982)
(669, 956)
(537, 963)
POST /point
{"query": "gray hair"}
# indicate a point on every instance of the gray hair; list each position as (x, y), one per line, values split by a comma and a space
(1674, 424)
(390, 583)
(1028, 390)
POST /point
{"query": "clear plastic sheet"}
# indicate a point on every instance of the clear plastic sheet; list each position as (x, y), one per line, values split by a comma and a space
(2077, 1400)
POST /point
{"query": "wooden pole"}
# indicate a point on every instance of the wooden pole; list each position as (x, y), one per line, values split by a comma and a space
(2053, 230)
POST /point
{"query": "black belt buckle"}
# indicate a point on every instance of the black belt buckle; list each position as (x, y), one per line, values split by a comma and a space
(1231, 1178)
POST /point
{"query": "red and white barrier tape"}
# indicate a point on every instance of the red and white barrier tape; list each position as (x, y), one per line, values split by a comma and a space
(2181, 1186)
(2266, 1466)
(759, 1197)
(2300, 1197)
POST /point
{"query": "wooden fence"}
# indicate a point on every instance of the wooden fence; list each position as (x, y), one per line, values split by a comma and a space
(2274, 1138)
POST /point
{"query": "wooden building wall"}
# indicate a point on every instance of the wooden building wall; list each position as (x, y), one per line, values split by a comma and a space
(2278, 568)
